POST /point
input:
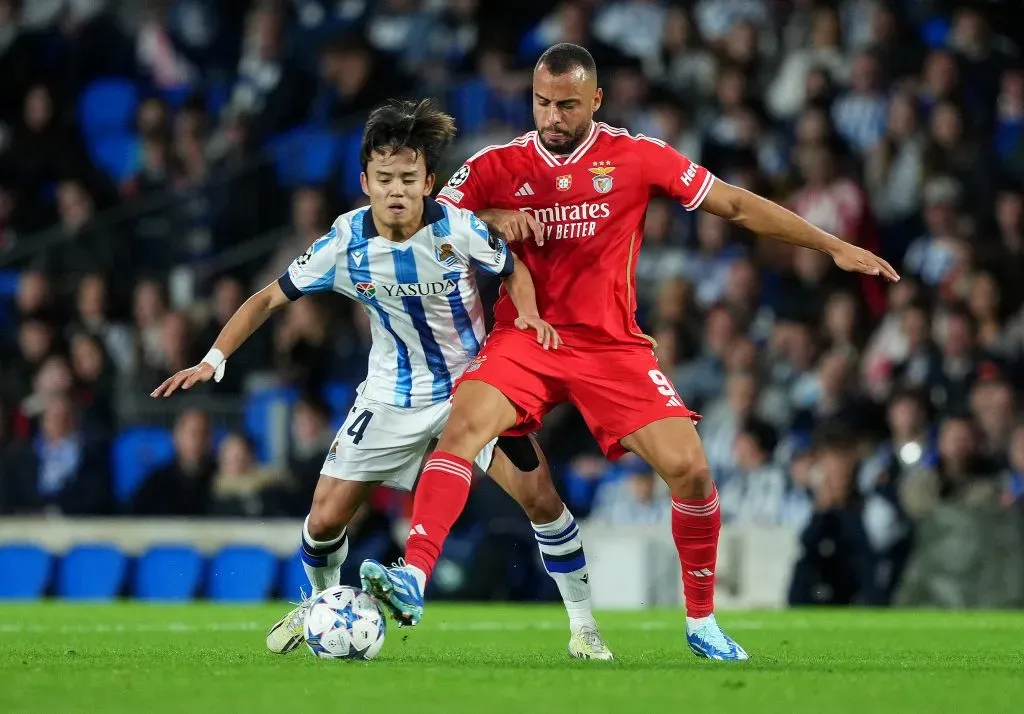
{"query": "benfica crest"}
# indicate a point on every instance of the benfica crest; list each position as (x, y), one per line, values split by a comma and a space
(563, 183)
(602, 176)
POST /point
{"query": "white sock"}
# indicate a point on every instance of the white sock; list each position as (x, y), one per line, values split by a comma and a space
(695, 623)
(322, 559)
(421, 577)
(561, 550)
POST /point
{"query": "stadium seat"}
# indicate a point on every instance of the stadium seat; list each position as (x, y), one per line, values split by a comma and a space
(242, 573)
(293, 580)
(91, 572)
(469, 102)
(9, 281)
(349, 146)
(304, 156)
(24, 571)
(137, 452)
(107, 106)
(117, 155)
(263, 409)
(339, 396)
(168, 573)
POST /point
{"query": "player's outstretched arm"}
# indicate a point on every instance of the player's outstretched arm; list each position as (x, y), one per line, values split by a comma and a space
(766, 218)
(246, 320)
(520, 289)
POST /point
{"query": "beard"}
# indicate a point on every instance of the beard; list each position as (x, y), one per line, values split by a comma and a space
(565, 144)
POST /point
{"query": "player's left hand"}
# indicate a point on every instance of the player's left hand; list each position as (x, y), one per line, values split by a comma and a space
(546, 334)
(857, 260)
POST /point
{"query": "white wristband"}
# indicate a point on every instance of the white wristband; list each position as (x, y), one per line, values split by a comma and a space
(215, 358)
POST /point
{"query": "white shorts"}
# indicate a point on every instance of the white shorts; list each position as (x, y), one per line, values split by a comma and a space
(383, 443)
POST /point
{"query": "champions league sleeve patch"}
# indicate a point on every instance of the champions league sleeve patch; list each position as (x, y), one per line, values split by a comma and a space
(451, 194)
(459, 177)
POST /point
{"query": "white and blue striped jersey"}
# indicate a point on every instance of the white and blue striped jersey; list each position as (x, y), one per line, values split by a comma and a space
(426, 316)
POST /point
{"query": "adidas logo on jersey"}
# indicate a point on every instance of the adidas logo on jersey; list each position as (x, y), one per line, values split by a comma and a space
(524, 190)
(674, 402)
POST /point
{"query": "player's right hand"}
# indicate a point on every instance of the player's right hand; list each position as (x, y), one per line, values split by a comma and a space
(517, 225)
(546, 334)
(184, 379)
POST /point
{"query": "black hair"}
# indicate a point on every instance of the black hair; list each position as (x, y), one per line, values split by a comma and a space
(399, 124)
(566, 57)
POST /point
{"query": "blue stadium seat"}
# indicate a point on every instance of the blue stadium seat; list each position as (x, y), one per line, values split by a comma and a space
(9, 281)
(24, 571)
(107, 106)
(304, 156)
(339, 396)
(349, 146)
(261, 407)
(117, 155)
(91, 572)
(293, 580)
(242, 573)
(176, 96)
(168, 573)
(137, 452)
(470, 101)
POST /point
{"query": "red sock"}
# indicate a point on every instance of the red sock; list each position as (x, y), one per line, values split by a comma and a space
(440, 497)
(695, 528)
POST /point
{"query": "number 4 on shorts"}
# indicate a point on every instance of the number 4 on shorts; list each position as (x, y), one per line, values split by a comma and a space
(358, 426)
(664, 385)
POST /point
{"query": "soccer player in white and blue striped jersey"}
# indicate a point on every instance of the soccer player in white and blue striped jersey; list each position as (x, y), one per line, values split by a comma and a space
(411, 263)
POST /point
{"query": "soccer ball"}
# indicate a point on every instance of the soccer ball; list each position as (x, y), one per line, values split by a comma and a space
(345, 623)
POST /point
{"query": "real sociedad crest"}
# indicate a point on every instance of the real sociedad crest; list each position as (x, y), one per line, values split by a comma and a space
(445, 254)
(602, 176)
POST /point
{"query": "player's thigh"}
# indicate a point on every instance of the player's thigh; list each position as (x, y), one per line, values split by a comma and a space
(529, 379)
(620, 392)
(382, 444)
(672, 447)
(488, 411)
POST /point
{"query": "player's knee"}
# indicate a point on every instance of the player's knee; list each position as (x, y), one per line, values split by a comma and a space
(326, 519)
(686, 472)
(464, 432)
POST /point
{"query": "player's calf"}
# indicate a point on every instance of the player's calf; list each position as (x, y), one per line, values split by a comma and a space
(323, 550)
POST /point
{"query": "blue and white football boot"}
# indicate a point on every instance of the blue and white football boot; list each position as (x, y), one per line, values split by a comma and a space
(707, 640)
(396, 588)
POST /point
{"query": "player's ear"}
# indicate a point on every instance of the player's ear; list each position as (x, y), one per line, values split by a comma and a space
(428, 185)
(363, 184)
(598, 97)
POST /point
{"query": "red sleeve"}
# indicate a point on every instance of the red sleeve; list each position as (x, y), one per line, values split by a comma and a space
(470, 186)
(669, 173)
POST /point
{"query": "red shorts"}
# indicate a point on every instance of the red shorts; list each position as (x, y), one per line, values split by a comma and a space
(617, 389)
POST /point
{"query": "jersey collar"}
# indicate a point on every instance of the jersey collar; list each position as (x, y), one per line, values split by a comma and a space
(432, 213)
(552, 160)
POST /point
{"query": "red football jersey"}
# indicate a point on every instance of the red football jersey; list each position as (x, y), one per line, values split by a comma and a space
(593, 204)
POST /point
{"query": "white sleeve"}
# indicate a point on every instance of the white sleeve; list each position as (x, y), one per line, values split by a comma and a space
(488, 250)
(314, 271)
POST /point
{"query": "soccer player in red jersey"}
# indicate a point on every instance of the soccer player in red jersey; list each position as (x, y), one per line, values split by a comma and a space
(573, 195)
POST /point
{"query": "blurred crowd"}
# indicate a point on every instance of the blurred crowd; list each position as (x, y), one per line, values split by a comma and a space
(837, 406)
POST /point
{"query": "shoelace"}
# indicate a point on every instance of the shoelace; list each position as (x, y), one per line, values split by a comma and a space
(592, 638)
(300, 610)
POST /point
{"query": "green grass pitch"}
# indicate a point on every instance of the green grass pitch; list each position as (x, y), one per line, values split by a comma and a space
(146, 659)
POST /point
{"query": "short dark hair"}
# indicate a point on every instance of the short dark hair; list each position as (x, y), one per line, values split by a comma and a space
(566, 57)
(400, 124)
